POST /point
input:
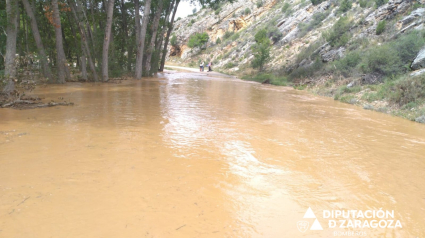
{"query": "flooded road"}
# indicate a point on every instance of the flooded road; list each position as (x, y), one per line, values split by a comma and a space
(185, 155)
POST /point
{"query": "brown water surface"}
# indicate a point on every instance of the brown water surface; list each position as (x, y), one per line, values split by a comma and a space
(185, 155)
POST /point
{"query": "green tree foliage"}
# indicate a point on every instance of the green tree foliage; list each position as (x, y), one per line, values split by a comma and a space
(198, 40)
(380, 2)
(345, 5)
(173, 40)
(381, 27)
(274, 34)
(316, 2)
(261, 50)
(259, 3)
(247, 11)
(339, 35)
(218, 41)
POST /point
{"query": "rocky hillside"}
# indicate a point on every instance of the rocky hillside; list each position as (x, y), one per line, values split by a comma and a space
(325, 46)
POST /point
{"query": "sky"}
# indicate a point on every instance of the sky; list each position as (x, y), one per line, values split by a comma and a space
(185, 8)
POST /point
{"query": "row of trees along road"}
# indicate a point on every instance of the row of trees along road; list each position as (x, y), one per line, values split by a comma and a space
(111, 37)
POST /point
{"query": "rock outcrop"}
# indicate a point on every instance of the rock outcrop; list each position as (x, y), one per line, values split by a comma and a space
(419, 61)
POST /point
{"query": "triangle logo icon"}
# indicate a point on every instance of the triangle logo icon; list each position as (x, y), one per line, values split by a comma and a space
(316, 226)
(309, 214)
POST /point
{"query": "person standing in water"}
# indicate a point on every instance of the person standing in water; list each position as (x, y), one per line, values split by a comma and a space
(201, 67)
(210, 66)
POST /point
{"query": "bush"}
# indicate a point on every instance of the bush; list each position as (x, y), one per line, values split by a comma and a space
(408, 90)
(363, 3)
(285, 7)
(259, 3)
(380, 2)
(394, 57)
(218, 41)
(316, 2)
(247, 11)
(339, 35)
(173, 40)
(229, 65)
(274, 34)
(234, 37)
(345, 5)
(198, 40)
(227, 35)
(346, 65)
(380, 28)
(316, 21)
(217, 11)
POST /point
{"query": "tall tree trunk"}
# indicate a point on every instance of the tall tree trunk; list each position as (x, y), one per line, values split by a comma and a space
(12, 32)
(158, 44)
(86, 48)
(105, 58)
(40, 47)
(141, 42)
(154, 27)
(124, 25)
(137, 33)
(83, 62)
(167, 38)
(60, 53)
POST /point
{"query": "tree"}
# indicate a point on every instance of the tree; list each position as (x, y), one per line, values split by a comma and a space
(170, 28)
(261, 50)
(141, 43)
(105, 56)
(12, 32)
(194, 10)
(63, 71)
(40, 47)
(154, 29)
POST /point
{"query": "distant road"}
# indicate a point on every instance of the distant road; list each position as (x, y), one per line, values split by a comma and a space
(197, 70)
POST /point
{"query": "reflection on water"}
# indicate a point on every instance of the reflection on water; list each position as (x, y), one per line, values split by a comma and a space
(193, 156)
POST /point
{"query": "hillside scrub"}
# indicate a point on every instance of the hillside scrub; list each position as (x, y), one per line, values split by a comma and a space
(340, 34)
(198, 40)
(261, 50)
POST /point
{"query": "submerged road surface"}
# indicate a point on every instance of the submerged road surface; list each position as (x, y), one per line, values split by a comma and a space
(186, 155)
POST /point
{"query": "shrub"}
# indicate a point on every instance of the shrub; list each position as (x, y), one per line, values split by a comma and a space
(218, 41)
(234, 37)
(346, 65)
(395, 57)
(345, 5)
(316, 2)
(259, 3)
(339, 34)
(217, 11)
(274, 34)
(229, 65)
(363, 3)
(285, 7)
(247, 11)
(314, 23)
(380, 2)
(408, 90)
(173, 40)
(380, 28)
(198, 40)
(227, 34)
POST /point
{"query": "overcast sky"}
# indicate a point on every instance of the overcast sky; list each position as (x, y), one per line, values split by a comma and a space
(185, 8)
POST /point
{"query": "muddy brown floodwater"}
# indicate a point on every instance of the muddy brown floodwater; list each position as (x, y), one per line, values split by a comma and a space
(185, 155)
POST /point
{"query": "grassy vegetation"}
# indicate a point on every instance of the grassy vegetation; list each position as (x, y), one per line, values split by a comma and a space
(268, 78)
